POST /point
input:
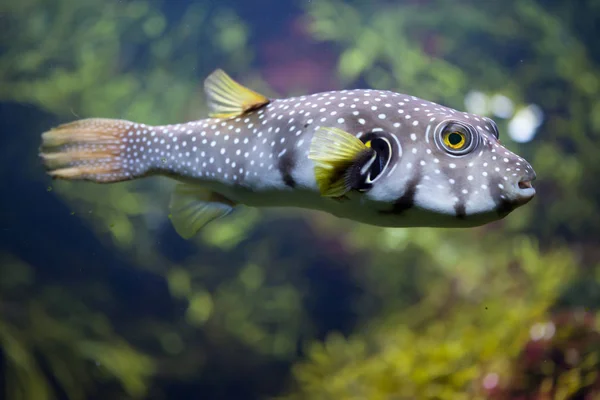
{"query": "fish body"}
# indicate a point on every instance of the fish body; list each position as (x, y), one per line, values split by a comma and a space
(373, 156)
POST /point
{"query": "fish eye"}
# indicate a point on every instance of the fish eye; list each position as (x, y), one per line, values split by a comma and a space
(456, 138)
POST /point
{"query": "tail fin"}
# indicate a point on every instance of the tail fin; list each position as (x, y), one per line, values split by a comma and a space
(94, 149)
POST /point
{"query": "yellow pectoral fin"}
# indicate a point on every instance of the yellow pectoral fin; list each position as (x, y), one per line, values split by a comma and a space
(227, 98)
(333, 152)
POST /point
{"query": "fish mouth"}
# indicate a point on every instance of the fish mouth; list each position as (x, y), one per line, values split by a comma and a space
(525, 185)
(525, 191)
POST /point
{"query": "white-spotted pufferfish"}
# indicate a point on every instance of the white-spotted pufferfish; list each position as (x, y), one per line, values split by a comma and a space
(372, 156)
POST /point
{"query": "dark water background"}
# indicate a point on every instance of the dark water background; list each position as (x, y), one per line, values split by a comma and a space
(100, 299)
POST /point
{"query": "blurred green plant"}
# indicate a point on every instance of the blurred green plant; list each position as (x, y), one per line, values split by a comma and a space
(54, 337)
(560, 361)
(473, 322)
(90, 58)
(116, 59)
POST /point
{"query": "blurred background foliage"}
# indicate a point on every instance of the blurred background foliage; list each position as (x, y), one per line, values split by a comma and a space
(99, 298)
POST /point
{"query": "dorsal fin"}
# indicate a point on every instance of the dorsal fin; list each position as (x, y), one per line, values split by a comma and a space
(227, 98)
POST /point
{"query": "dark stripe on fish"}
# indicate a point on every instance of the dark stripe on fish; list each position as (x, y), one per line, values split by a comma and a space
(460, 206)
(407, 200)
(460, 209)
(503, 206)
(286, 165)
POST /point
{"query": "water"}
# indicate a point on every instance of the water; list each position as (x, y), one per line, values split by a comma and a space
(99, 297)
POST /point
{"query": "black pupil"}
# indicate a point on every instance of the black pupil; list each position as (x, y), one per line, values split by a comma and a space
(454, 138)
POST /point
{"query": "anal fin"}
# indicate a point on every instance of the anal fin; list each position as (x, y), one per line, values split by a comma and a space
(193, 207)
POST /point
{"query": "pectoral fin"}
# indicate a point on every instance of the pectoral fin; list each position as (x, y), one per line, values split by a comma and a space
(341, 161)
(227, 98)
(192, 208)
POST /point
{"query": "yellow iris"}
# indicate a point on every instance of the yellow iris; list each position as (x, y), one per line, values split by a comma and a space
(455, 140)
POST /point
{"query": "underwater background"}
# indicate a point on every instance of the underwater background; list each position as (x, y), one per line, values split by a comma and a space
(101, 299)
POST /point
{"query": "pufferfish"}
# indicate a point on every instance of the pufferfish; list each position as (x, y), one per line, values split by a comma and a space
(373, 156)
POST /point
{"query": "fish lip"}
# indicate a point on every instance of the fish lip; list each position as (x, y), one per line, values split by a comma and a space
(525, 184)
(525, 190)
(525, 195)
